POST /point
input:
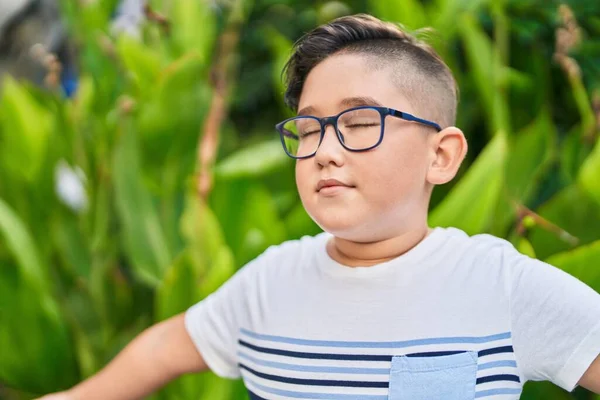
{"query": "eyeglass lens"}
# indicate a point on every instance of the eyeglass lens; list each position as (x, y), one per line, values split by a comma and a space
(359, 129)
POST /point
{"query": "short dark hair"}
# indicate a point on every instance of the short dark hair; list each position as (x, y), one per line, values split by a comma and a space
(419, 71)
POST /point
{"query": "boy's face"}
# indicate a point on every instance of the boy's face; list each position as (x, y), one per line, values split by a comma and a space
(387, 188)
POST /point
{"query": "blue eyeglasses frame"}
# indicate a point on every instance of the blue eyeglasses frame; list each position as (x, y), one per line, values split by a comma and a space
(333, 120)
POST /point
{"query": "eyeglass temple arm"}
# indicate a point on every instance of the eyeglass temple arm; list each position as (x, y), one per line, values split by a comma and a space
(288, 134)
(410, 117)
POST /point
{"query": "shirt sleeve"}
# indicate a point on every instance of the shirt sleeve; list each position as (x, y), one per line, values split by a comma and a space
(214, 323)
(555, 321)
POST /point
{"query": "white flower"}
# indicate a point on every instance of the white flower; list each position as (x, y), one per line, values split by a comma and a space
(130, 16)
(69, 184)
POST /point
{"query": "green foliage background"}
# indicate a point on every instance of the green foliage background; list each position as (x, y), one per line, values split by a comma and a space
(76, 286)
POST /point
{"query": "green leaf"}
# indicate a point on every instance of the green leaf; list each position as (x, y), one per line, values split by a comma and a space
(248, 215)
(470, 204)
(263, 226)
(281, 49)
(574, 151)
(179, 288)
(24, 249)
(535, 390)
(194, 27)
(581, 262)
(219, 388)
(589, 175)
(410, 13)
(179, 104)
(447, 14)
(71, 243)
(204, 266)
(525, 247)
(221, 268)
(532, 150)
(479, 52)
(183, 75)
(201, 231)
(83, 101)
(226, 200)
(27, 128)
(142, 62)
(573, 210)
(298, 223)
(35, 343)
(146, 246)
(253, 161)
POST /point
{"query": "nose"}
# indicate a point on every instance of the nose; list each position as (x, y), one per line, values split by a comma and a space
(330, 150)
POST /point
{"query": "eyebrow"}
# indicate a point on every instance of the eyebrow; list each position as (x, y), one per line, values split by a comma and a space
(360, 101)
(347, 102)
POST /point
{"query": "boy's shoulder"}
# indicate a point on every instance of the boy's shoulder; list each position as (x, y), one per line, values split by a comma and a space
(484, 242)
(492, 251)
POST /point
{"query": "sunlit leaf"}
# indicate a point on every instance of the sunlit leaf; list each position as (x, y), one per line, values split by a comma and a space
(179, 288)
(142, 62)
(35, 343)
(572, 210)
(589, 175)
(202, 268)
(253, 161)
(534, 390)
(530, 158)
(144, 239)
(531, 151)
(445, 14)
(72, 245)
(281, 49)
(201, 231)
(574, 151)
(20, 242)
(221, 268)
(194, 27)
(263, 227)
(298, 223)
(525, 247)
(409, 13)
(581, 262)
(478, 48)
(27, 129)
(470, 204)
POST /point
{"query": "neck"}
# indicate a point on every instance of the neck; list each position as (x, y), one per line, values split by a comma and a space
(355, 254)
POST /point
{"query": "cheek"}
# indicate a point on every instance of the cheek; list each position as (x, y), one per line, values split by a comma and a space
(396, 174)
(303, 178)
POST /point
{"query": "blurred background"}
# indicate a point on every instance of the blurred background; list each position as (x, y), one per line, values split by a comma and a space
(139, 165)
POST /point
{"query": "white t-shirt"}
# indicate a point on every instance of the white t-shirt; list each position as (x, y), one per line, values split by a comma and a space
(454, 318)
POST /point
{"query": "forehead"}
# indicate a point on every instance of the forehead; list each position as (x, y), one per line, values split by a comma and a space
(340, 77)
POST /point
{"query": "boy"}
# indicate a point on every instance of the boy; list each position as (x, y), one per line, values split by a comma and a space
(379, 306)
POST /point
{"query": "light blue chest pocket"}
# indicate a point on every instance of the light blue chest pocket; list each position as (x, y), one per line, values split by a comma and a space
(451, 377)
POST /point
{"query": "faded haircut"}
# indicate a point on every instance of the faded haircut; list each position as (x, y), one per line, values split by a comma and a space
(416, 69)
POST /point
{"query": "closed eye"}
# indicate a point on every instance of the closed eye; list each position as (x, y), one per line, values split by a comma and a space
(362, 125)
(308, 133)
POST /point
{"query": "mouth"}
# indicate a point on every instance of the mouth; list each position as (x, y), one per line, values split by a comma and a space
(331, 185)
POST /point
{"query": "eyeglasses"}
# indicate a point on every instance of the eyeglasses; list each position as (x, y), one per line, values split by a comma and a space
(357, 129)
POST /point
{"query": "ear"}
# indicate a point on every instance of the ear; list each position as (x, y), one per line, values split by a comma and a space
(448, 149)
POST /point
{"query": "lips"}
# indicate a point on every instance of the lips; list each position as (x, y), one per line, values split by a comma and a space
(326, 183)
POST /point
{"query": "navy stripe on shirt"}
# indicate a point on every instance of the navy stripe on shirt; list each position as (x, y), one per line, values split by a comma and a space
(368, 384)
(366, 357)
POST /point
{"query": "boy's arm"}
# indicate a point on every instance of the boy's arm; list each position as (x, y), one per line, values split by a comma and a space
(591, 379)
(158, 355)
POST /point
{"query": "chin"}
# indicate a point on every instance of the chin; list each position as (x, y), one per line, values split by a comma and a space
(348, 227)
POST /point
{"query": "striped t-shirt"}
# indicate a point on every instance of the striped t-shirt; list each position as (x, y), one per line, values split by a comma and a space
(454, 318)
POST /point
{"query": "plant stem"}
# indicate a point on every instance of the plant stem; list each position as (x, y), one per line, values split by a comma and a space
(222, 74)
